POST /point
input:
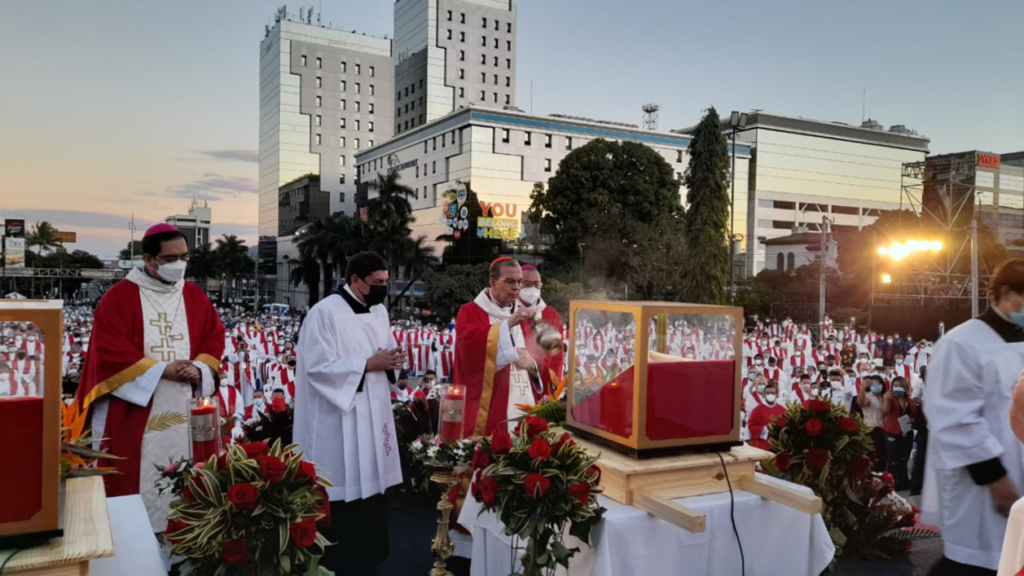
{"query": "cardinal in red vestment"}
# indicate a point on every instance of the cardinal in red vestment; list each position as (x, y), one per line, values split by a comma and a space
(551, 365)
(491, 357)
(156, 342)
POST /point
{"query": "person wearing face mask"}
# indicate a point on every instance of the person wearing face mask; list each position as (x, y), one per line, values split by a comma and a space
(23, 370)
(231, 408)
(157, 342)
(73, 362)
(347, 359)
(755, 395)
(32, 345)
(899, 413)
(550, 365)
(445, 364)
(901, 368)
(837, 388)
(258, 406)
(974, 470)
(801, 390)
(763, 415)
(8, 388)
(870, 399)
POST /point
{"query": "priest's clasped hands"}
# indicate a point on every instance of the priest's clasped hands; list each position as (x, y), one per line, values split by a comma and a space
(182, 371)
(392, 359)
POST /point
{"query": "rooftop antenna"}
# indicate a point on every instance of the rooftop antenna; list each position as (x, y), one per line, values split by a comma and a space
(309, 15)
(863, 105)
(319, 12)
(651, 116)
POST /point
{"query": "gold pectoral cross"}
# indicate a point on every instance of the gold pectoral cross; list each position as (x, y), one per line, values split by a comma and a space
(167, 339)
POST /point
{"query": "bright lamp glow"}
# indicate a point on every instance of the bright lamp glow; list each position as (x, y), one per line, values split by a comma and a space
(886, 279)
(882, 250)
(898, 252)
(911, 245)
(936, 246)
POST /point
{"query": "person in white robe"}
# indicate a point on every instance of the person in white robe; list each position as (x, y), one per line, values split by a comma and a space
(343, 421)
(975, 465)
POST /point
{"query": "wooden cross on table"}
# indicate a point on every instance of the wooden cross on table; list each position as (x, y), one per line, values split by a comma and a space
(167, 339)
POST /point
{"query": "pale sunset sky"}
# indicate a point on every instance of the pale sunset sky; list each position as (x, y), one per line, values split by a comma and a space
(114, 107)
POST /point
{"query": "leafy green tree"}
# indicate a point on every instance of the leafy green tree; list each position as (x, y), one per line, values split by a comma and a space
(469, 248)
(126, 252)
(232, 259)
(601, 200)
(706, 224)
(657, 262)
(447, 290)
(307, 271)
(202, 265)
(42, 236)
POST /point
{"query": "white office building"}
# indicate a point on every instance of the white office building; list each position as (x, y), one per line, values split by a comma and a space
(195, 225)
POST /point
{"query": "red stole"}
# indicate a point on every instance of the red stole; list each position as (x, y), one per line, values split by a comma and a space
(116, 358)
(473, 352)
(228, 402)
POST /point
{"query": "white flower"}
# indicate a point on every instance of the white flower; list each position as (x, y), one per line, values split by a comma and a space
(432, 451)
(460, 452)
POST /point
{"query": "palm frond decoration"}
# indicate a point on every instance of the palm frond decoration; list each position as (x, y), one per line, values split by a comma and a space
(165, 421)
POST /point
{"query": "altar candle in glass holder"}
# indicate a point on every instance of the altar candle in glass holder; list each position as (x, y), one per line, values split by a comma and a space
(453, 404)
(203, 428)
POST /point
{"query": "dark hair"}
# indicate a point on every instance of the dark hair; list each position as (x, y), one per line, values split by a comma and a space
(430, 373)
(363, 264)
(499, 266)
(152, 244)
(1010, 275)
(805, 376)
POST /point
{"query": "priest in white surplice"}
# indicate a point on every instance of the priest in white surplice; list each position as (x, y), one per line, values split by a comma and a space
(975, 465)
(347, 356)
(157, 341)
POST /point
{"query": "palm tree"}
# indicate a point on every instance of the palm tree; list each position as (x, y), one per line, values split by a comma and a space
(313, 241)
(390, 216)
(418, 258)
(232, 258)
(44, 236)
(202, 264)
(307, 271)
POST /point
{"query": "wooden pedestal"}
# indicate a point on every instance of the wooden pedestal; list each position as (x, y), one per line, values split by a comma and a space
(87, 536)
(652, 484)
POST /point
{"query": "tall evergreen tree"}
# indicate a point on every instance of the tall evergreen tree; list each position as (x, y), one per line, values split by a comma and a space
(706, 224)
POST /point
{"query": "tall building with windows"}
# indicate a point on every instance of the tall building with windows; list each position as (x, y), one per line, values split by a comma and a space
(451, 54)
(195, 225)
(325, 94)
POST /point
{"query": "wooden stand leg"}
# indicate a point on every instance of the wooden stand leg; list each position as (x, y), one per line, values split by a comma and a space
(785, 495)
(662, 506)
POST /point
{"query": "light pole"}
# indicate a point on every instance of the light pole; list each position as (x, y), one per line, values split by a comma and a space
(581, 262)
(737, 122)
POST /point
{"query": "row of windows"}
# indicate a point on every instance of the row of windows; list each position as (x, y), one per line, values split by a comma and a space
(483, 96)
(344, 105)
(410, 123)
(410, 106)
(344, 66)
(341, 142)
(483, 78)
(398, 95)
(369, 125)
(483, 22)
(344, 86)
(528, 139)
(483, 41)
(483, 60)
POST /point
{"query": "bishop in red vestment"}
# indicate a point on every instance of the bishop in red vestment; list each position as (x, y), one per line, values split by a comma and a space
(491, 359)
(156, 342)
(530, 297)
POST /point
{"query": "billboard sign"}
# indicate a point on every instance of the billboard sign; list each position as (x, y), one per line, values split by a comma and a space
(14, 228)
(67, 237)
(14, 252)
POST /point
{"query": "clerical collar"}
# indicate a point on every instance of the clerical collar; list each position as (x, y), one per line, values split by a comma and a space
(1006, 330)
(353, 302)
(510, 308)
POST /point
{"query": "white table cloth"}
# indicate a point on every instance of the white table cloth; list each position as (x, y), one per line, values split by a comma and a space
(777, 540)
(136, 552)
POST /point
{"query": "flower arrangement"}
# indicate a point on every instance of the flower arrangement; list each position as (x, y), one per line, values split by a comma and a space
(276, 424)
(254, 510)
(829, 450)
(77, 458)
(171, 477)
(435, 450)
(539, 483)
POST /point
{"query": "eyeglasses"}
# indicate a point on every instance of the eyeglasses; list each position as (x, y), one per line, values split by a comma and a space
(172, 258)
(512, 282)
(538, 284)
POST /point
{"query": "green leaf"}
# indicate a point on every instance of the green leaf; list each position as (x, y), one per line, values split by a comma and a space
(286, 563)
(282, 535)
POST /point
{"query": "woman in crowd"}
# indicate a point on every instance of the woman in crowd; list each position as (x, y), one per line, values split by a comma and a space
(899, 414)
(870, 399)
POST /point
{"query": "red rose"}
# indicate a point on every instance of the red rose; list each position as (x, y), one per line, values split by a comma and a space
(540, 450)
(272, 468)
(813, 427)
(222, 463)
(782, 460)
(235, 551)
(173, 527)
(278, 404)
(303, 533)
(906, 521)
(592, 471)
(818, 406)
(816, 458)
(534, 426)
(486, 491)
(564, 440)
(243, 496)
(501, 443)
(849, 424)
(306, 471)
(535, 482)
(256, 449)
(581, 492)
(480, 459)
(324, 507)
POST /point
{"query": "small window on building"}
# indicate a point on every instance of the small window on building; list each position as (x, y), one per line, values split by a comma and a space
(483, 41)
(495, 79)
(434, 140)
(679, 176)
(790, 261)
(483, 96)
(509, 28)
(484, 22)
(508, 100)
(462, 17)
(342, 85)
(318, 101)
(343, 123)
(358, 87)
(508, 81)
(504, 135)
(508, 45)
(342, 103)
(318, 119)
(417, 171)
(679, 156)
(568, 142)
(433, 167)
(341, 160)
(356, 144)
(303, 59)
(547, 140)
(508, 63)
(462, 55)
(483, 59)
(357, 125)
(780, 261)
(495, 97)
(462, 37)
(372, 91)
(497, 25)
(318, 63)
(462, 74)
(527, 138)
(462, 92)
(341, 142)
(425, 146)
(344, 67)
(547, 164)
(357, 105)
(371, 127)
(421, 119)
(449, 15)
(319, 82)
(359, 68)
(449, 33)
(318, 138)
(495, 43)
(373, 71)
(483, 77)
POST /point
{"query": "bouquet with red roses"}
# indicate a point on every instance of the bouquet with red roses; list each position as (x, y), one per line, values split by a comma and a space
(828, 449)
(539, 482)
(252, 511)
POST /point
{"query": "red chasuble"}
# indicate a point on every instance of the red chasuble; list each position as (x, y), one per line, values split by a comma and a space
(548, 364)
(116, 358)
(476, 350)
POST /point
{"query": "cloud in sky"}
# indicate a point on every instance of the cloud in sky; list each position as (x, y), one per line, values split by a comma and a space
(72, 218)
(233, 155)
(212, 186)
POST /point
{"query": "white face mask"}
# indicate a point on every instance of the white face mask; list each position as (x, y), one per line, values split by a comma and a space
(31, 338)
(173, 271)
(529, 295)
(758, 362)
(4, 378)
(899, 361)
(770, 398)
(258, 403)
